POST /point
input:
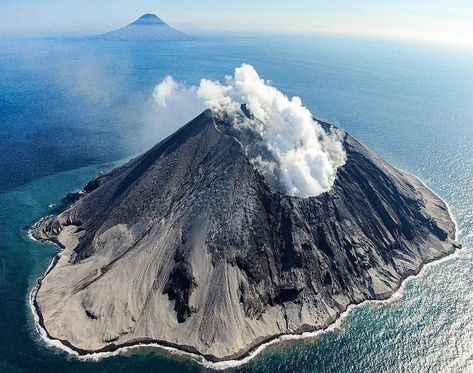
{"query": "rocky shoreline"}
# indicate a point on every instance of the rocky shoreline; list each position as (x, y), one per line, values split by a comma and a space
(198, 358)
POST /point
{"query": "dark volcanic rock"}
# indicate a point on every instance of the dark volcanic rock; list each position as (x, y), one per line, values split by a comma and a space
(188, 245)
(74, 196)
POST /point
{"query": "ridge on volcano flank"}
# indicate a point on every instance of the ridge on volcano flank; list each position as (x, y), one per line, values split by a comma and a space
(188, 246)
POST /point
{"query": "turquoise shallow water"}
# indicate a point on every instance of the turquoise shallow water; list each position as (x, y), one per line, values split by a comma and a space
(411, 104)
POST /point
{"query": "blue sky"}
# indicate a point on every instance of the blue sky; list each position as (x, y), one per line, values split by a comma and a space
(441, 21)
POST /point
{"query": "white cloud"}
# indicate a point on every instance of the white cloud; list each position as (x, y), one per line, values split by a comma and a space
(286, 145)
(172, 93)
(173, 105)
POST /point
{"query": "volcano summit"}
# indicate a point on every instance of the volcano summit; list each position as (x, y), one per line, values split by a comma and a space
(191, 245)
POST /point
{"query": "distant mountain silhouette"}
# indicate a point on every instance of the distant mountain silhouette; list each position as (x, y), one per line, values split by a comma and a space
(148, 27)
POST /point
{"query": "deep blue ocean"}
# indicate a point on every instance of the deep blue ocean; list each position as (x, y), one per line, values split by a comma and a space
(70, 108)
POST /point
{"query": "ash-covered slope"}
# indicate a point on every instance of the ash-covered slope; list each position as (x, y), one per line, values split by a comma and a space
(148, 27)
(188, 246)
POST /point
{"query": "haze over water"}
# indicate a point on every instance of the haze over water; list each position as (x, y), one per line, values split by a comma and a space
(69, 107)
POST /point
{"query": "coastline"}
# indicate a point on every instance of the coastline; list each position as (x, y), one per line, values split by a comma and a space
(203, 360)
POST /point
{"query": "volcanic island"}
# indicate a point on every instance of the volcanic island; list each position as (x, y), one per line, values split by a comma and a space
(189, 246)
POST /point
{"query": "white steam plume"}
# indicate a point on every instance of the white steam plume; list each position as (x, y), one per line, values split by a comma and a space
(295, 154)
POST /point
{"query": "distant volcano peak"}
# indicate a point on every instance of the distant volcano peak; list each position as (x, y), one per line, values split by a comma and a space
(148, 19)
(149, 27)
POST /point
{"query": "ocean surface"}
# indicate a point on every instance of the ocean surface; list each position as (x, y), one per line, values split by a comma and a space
(70, 108)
